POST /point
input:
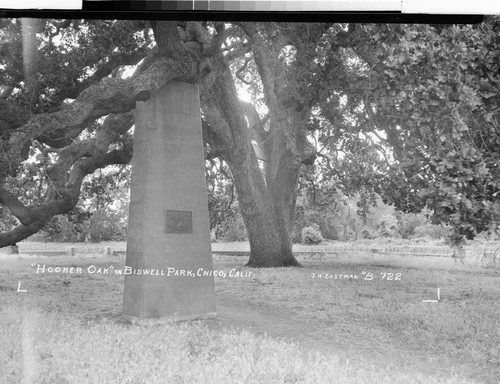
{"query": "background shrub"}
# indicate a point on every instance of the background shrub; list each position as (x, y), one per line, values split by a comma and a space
(432, 231)
(327, 222)
(407, 223)
(311, 235)
(368, 233)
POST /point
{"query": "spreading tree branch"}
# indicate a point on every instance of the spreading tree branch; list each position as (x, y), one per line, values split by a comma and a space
(58, 26)
(34, 219)
(111, 95)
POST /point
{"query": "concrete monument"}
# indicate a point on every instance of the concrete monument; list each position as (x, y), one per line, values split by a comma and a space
(168, 268)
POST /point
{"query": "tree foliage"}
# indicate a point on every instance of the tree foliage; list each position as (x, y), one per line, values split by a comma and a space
(407, 111)
(101, 213)
(421, 112)
(447, 154)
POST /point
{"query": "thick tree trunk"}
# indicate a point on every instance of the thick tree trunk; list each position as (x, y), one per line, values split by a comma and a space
(266, 219)
(266, 207)
(282, 187)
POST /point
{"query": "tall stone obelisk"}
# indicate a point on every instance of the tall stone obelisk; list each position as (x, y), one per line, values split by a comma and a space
(168, 268)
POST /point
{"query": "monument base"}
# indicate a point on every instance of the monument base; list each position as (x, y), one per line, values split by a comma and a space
(168, 319)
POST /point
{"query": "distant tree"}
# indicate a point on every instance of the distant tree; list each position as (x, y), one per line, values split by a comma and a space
(105, 225)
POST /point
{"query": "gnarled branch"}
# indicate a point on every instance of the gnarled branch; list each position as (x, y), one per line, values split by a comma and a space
(34, 219)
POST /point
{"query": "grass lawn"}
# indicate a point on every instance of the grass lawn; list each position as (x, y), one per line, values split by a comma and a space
(316, 324)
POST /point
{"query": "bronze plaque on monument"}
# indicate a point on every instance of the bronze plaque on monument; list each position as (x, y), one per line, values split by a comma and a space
(178, 221)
